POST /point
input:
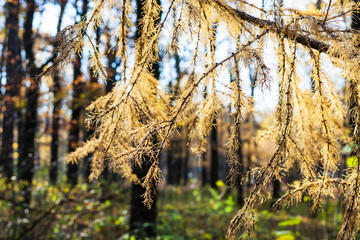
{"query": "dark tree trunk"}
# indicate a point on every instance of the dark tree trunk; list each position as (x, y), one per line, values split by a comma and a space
(109, 85)
(204, 166)
(57, 90)
(185, 167)
(240, 187)
(214, 155)
(174, 162)
(174, 156)
(143, 219)
(214, 165)
(27, 150)
(318, 4)
(204, 172)
(112, 65)
(93, 92)
(13, 83)
(170, 179)
(76, 107)
(240, 154)
(178, 166)
(72, 171)
(55, 130)
(276, 189)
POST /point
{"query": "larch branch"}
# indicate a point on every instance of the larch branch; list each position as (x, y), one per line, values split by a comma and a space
(273, 27)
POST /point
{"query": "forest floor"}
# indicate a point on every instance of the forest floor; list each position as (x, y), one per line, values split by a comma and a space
(101, 211)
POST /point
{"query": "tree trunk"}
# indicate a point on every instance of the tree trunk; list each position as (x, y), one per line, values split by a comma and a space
(174, 157)
(276, 189)
(109, 85)
(214, 157)
(143, 219)
(13, 83)
(170, 178)
(214, 170)
(111, 68)
(76, 107)
(204, 172)
(93, 91)
(240, 187)
(174, 161)
(57, 90)
(55, 130)
(185, 167)
(72, 171)
(27, 150)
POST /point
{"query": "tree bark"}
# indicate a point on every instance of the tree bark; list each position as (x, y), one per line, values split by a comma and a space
(143, 219)
(185, 167)
(109, 85)
(240, 187)
(93, 91)
(214, 169)
(74, 138)
(111, 69)
(204, 172)
(13, 83)
(57, 90)
(27, 149)
(78, 86)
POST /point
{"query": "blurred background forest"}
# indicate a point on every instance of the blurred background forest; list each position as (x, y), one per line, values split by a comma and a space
(42, 197)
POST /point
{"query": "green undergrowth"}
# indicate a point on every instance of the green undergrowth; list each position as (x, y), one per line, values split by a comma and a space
(101, 211)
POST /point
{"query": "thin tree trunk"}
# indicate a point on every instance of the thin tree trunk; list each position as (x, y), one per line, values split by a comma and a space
(174, 161)
(78, 86)
(94, 91)
(214, 157)
(185, 167)
(318, 4)
(13, 83)
(72, 170)
(240, 187)
(27, 149)
(174, 153)
(276, 183)
(204, 169)
(109, 85)
(112, 65)
(55, 126)
(240, 153)
(204, 172)
(57, 90)
(170, 178)
(214, 170)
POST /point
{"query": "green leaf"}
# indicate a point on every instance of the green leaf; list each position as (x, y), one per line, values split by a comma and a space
(290, 222)
(208, 236)
(119, 221)
(228, 209)
(286, 237)
(352, 161)
(220, 183)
